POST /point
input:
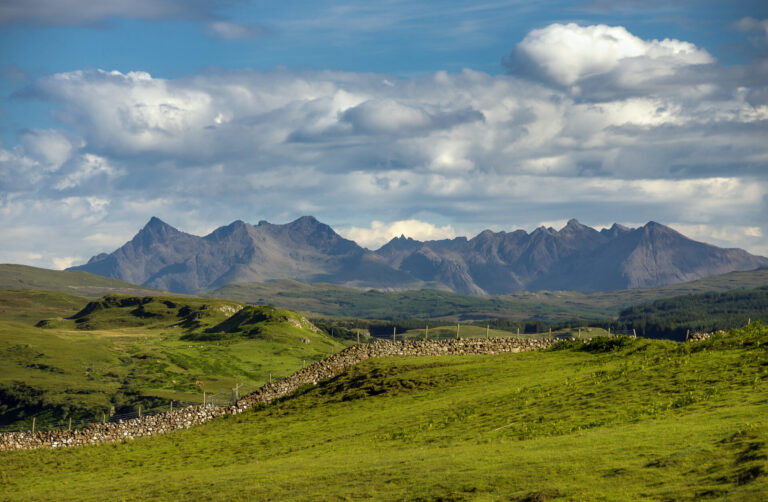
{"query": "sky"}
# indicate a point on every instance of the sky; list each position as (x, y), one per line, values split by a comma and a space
(423, 118)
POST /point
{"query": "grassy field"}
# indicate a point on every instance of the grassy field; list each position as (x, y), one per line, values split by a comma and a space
(551, 306)
(125, 351)
(616, 419)
(64, 281)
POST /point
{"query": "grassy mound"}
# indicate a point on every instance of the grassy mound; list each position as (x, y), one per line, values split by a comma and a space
(121, 352)
(588, 421)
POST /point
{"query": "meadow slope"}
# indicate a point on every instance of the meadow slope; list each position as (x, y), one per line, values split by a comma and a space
(615, 419)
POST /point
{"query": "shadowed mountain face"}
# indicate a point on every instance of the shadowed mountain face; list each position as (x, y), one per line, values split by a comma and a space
(575, 257)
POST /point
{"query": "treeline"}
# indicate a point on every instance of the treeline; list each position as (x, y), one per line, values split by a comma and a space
(673, 317)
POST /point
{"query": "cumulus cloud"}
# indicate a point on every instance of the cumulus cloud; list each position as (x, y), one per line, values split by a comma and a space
(379, 232)
(470, 148)
(570, 55)
(94, 12)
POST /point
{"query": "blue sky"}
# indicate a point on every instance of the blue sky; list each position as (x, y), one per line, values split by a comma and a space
(426, 118)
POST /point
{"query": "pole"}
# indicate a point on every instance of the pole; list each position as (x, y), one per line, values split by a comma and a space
(358, 337)
(426, 333)
(634, 333)
(550, 332)
(33, 425)
(687, 333)
(609, 331)
(103, 418)
(579, 332)
(518, 331)
(487, 327)
(458, 326)
(270, 377)
(171, 407)
(203, 398)
(303, 362)
(394, 330)
(69, 427)
(139, 411)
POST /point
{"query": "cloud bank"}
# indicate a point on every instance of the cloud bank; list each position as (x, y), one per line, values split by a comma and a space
(590, 122)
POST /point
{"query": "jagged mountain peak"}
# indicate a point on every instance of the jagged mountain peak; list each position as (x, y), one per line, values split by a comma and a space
(575, 257)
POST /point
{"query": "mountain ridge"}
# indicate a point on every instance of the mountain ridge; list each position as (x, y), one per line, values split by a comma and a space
(576, 257)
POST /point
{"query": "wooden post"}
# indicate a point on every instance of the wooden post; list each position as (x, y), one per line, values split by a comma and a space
(103, 418)
(270, 377)
(579, 331)
(139, 411)
(487, 327)
(634, 333)
(203, 398)
(171, 406)
(426, 333)
(33, 425)
(550, 332)
(458, 327)
(687, 334)
(303, 363)
(69, 427)
(749, 321)
(358, 337)
(394, 330)
(609, 331)
(518, 331)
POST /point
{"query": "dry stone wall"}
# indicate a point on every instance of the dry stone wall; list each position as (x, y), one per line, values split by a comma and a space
(312, 374)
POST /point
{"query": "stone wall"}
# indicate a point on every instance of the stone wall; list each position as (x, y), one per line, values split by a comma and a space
(312, 374)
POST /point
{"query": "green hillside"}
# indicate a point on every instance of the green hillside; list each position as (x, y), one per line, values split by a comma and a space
(551, 306)
(615, 419)
(65, 281)
(123, 351)
(673, 317)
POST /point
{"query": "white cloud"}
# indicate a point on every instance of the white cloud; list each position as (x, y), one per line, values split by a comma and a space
(65, 262)
(379, 233)
(233, 31)
(568, 54)
(752, 24)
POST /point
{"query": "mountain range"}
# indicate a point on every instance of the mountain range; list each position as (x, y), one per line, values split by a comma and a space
(576, 257)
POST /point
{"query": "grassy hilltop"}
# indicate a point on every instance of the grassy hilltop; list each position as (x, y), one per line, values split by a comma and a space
(615, 419)
(123, 351)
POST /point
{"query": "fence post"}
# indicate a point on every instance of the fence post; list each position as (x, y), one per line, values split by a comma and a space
(203, 398)
(634, 333)
(69, 427)
(487, 328)
(103, 418)
(609, 331)
(579, 331)
(303, 363)
(550, 332)
(687, 333)
(458, 326)
(518, 331)
(358, 342)
(33, 425)
(426, 333)
(171, 406)
(270, 377)
(139, 411)
(394, 330)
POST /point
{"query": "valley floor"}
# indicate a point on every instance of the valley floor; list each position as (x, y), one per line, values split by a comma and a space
(612, 420)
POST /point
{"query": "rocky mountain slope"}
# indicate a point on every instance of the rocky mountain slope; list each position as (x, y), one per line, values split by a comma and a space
(575, 257)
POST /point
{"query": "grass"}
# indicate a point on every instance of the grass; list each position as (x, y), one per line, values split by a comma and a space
(65, 281)
(615, 419)
(550, 306)
(124, 351)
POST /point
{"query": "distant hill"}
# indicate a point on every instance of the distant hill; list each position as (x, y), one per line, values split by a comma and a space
(549, 306)
(78, 283)
(707, 312)
(576, 257)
